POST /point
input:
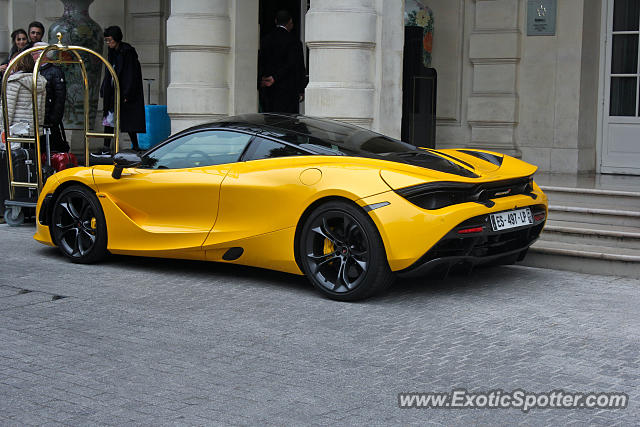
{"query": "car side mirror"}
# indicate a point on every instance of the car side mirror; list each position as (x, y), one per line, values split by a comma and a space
(125, 159)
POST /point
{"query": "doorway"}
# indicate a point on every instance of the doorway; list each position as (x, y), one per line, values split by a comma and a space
(297, 9)
(621, 118)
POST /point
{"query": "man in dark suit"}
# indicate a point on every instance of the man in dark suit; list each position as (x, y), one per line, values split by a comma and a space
(281, 70)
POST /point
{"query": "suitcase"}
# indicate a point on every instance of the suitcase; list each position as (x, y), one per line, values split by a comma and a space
(57, 160)
(4, 179)
(61, 161)
(24, 170)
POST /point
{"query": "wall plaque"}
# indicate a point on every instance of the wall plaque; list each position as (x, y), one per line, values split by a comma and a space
(541, 17)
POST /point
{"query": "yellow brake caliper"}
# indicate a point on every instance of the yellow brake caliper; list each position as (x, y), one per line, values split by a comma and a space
(328, 247)
(93, 223)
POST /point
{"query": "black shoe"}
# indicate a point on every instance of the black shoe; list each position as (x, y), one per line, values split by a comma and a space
(103, 152)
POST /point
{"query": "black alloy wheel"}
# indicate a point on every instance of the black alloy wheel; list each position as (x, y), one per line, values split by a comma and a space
(78, 226)
(342, 254)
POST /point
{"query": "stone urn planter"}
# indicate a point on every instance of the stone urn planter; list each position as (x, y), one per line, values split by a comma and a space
(78, 29)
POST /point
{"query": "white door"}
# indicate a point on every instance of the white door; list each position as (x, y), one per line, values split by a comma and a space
(621, 127)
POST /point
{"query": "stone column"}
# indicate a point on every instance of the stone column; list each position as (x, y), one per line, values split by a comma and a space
(146, 25)
(341, 36)
(494, 51)
(198, 39)
(5, 34)
(243, 59)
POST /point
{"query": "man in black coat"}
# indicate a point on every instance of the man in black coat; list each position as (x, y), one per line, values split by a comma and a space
(282, 74)
(55, 100)
(124, 60)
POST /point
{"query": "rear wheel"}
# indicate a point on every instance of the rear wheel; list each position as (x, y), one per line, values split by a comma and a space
(78, 226)
(342, 254)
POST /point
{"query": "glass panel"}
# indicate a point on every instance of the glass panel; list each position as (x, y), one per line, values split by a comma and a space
(626, 15)
(623, 96)
(624, 54)
(266, 149)
(198, 149)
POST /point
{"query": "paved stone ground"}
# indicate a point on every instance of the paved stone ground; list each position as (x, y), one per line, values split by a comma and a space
(157, 342)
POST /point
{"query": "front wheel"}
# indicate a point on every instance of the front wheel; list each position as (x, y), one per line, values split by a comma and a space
(78, 226)
(342, 254)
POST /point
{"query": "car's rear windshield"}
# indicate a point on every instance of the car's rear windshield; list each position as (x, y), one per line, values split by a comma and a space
(338, 138)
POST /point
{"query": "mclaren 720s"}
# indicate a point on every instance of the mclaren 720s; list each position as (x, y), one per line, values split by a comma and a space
(349, 208)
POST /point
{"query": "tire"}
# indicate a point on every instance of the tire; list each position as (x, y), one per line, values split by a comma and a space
(78, 226)
(342, 254)
(14, 215)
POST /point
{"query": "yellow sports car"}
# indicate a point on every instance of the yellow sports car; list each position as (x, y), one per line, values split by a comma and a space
(347, 207)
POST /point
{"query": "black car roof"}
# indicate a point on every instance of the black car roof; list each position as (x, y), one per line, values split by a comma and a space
(323, 136)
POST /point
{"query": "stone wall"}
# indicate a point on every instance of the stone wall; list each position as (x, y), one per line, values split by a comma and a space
(529, 96)
(558, 84)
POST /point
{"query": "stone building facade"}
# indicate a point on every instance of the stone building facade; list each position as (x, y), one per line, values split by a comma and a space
(567, 102)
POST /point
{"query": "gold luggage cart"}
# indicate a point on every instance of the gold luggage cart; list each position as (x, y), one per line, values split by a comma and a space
(17, 204)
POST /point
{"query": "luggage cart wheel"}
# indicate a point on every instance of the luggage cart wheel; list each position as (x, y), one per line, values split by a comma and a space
(14, 215)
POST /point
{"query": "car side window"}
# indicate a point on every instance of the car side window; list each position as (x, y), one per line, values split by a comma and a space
(262, 148)
(205, 148)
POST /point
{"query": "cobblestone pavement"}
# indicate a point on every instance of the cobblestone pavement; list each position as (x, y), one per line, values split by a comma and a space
(157, 342)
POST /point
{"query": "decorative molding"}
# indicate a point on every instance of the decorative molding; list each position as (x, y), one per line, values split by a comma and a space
(511, 30)
(457, 121)
(494, 94)
(196, 48)
(205, 16)
(341, 85)
(494, 61)
(180, 85)
(447, 121)
(341, 45)
(369, 10)
(147, 14)
(358, 121)
(188, 116)
(485, 124)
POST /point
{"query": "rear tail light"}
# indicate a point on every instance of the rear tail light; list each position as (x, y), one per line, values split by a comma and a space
(471, 230)
(539, 217)
(436, 195)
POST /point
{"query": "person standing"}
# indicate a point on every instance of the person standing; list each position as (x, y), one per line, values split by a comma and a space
(124, 60)
(19, 41)
(56, 95)
(20, 97)
(282, 74)
(36, 32)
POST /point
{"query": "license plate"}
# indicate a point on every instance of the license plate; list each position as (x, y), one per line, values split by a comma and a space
(511, 219)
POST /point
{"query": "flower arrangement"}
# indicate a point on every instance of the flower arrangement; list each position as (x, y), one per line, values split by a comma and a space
(418, 14)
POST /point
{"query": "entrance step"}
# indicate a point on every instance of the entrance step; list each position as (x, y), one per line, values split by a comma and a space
(592, 227)
(595, 215)
(593, 197)
(591, 259)
(592, 234)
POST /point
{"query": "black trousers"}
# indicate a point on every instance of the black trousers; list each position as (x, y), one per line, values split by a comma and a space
(274, 100)
(132, 135)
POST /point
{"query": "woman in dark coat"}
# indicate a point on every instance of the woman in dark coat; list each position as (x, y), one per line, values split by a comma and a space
(124, 59)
